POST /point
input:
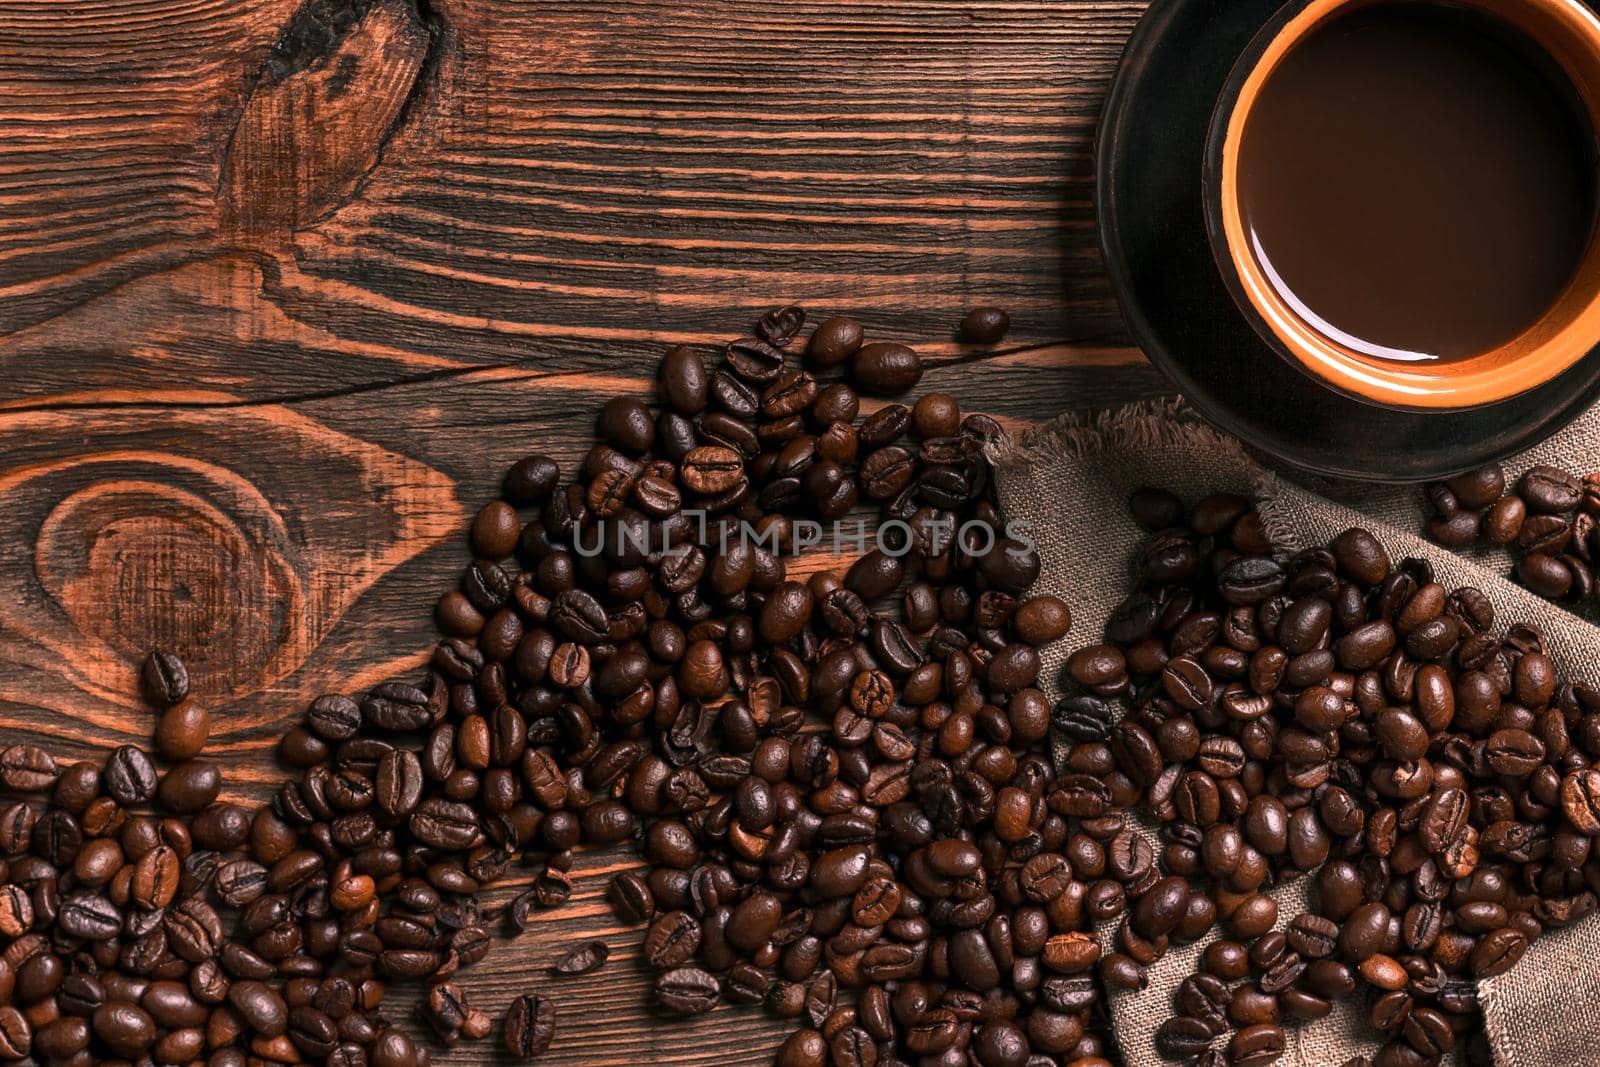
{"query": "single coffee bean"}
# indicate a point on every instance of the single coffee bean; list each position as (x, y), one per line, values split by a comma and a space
(163, 679)
(683, 381)
(583, 959)
(710, 470)
(834, 342)
(1259, 1044)
(1550, 490)
(530, 1026)
(985, 325)
(672, 940)
(1497, 953)
(885, 369)
(182, 731)
(687, 991)
(531, 480)
(27, 769)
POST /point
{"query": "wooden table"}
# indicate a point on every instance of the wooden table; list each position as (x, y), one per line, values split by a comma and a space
(285, 286)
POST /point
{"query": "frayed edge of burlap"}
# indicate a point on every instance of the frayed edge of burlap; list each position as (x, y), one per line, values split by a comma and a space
(1280, 532)
(1167, 422)
(1164, 423)
(1507, 1049)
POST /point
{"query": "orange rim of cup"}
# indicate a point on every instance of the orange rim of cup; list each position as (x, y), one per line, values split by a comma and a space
(1565, 29)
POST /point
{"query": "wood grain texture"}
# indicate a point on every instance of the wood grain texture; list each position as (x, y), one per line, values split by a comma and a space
(285, 285)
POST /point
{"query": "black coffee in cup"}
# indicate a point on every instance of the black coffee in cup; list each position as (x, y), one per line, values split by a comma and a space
(1418, 181)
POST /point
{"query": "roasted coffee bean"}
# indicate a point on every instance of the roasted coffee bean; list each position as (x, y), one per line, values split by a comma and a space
(1313, 936)
(495, 530)
(124, 1028)
(885, 369)
(583, 959)
(182, 731)
(687, 991)
(710, 470)
(755, 360)
(631, 898)
(683, 380)
(531, 480)
(1550, 490)
(1184, 1037)
(28, 769)
(260, 1007)
(672, 940)
(834, 342)
(1497, 953)
(1260, 1044)
(163, 679)
(985, 325)
(530, 1026)
(190, 786)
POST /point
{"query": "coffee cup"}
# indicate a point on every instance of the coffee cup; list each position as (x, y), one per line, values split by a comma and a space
(1401, 194)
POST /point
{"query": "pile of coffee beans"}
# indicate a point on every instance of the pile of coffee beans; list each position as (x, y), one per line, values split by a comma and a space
(1343, 718)
(839, 778)
(146, 921)
(1548, 520)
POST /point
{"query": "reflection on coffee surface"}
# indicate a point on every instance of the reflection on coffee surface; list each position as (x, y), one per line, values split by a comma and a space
(1418, 181)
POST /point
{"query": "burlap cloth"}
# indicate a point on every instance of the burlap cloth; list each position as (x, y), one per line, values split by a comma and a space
(1070, 481)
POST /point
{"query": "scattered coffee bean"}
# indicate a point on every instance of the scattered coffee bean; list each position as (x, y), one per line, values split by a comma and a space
(530, 1026)
(985, 326)
(590, 956)
(164, 679)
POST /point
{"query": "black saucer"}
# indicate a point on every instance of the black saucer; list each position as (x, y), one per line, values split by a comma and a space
(1149, 158)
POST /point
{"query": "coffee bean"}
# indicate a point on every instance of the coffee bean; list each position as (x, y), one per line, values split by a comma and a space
(1502, 523)
(710, 470)
(182, 731)
(780, 325)
(683, 381)
(155, 878)
(631, 898)
(124, 1028)
(163, 679)
(1545, 575)
(885, 369)
(985, 325)
(1497, 953)
(1514, 753)
(260, 1007)
(834, 342)
(1184, 1037)
(531, 480)
(445, 824)
(687, 991)
(398, 783)
(1259, 1044)
(1550, 490)
(27, 769)
(755, 360)
(583, 959)
(804, 1048)
(89, 916)
(672, 940)
(190, 786)
(625, 423)
(736, 400)
(530, 1026)
(495, 530)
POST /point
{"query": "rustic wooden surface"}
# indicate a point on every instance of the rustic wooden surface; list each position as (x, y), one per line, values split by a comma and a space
(285, 286)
